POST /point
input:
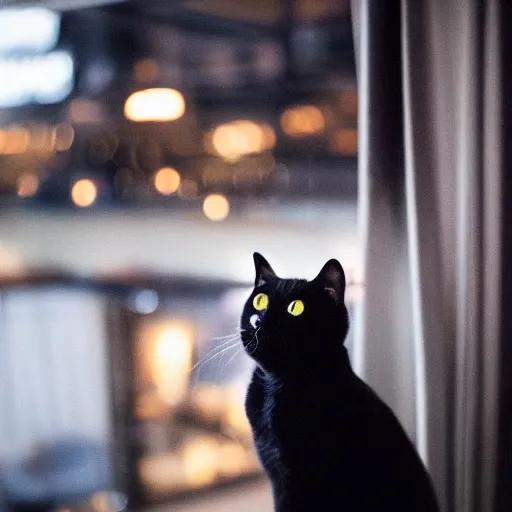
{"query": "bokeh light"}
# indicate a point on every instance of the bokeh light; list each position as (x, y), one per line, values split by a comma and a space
(216, 207)
(84, 193)
(344, 142)
(233, 140)
(302, 121)
(167, 181)
(233, 460)
(200, 461)
(156, 105)
(269, 136)
(41, 138)
(172, 361)
(348, 102)
(14, 141)
(27, 185)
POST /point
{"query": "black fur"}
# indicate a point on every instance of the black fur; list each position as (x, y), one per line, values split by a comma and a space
(326, 440)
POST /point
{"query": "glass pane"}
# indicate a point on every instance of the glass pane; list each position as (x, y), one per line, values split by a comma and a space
(147, 150)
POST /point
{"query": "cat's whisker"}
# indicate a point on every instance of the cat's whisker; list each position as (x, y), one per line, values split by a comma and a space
(257, 340)
(219, 349)
(231, 359)
(213, 356)
(255, 337)
(227, 336)
(223, 344)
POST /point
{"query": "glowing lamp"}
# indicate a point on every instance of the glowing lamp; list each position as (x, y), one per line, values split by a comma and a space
(157, 105)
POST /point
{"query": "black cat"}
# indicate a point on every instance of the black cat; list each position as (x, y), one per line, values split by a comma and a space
(326, 440)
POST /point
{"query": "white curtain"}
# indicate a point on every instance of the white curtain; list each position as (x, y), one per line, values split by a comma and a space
(430, 173)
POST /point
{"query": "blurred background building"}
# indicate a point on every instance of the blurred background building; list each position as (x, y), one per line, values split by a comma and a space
(147, 149)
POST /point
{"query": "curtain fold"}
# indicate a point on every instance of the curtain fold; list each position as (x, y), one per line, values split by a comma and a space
(428, 333)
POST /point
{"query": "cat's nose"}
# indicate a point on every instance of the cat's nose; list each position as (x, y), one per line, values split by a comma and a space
(255, 321)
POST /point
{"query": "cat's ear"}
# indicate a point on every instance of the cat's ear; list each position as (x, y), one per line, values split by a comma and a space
(332, 279)
(264, 272)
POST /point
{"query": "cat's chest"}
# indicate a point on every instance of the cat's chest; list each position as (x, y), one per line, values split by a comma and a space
(263, 419)
(268, 410)
(261, 411)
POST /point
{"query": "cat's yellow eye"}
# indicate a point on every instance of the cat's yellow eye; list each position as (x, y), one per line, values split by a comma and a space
(296, 308)
(260, 302)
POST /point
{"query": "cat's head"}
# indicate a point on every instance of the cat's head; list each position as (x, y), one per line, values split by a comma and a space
(288, 323)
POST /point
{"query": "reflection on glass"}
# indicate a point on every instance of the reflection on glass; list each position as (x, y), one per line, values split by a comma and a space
(169, 128)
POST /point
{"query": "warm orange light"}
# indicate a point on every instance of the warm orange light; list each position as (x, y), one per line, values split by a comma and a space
(155, 105)
(27, 185)
(216, 207)
(252, 135)
(233, 140)
(269, 136)
(84, 193)
(348, 101)
(41, 139)
(233, 460)
(172, 362)
(200, 461)
(14, 141)
(235, 416)
(162, 473)
(345, 142)
(208, 401)
(167, 181)
(302, 121)
(228, 142)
